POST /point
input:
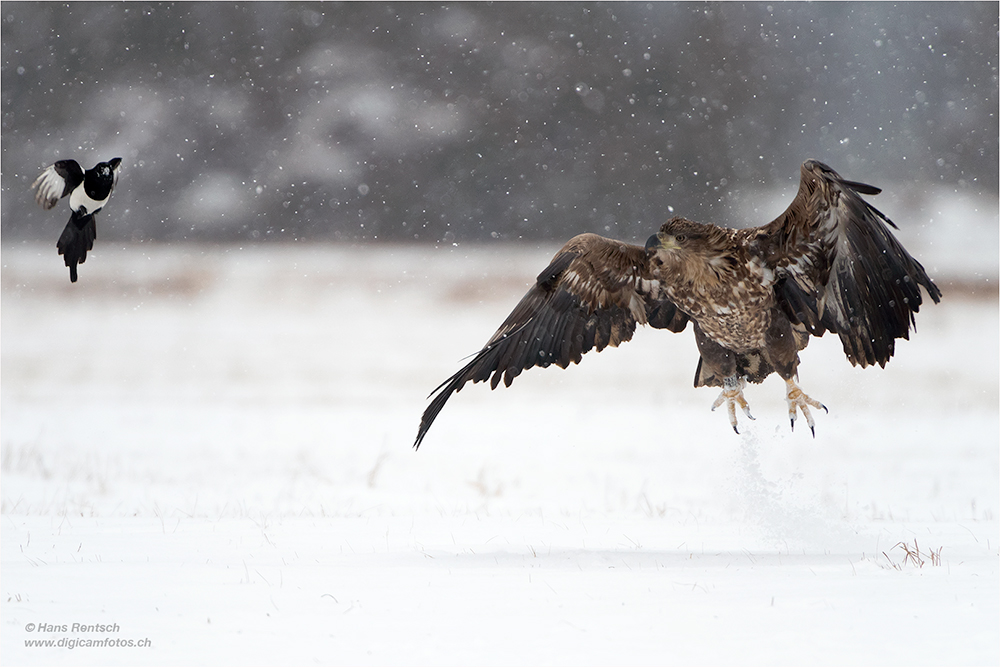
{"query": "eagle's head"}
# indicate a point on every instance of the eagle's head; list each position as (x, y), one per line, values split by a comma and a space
(691, 250)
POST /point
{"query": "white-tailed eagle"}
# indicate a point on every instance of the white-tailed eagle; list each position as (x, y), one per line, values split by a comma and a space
(753, 296)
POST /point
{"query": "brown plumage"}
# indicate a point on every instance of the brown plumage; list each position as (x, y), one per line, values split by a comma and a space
(754, 296)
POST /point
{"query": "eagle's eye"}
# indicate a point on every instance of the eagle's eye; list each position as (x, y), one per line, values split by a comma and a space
(680, 238)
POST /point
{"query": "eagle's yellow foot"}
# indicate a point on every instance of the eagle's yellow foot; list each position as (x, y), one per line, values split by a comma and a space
(732, 395)
(796, 398)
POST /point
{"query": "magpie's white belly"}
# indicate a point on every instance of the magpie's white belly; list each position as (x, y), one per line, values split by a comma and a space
(79, 198)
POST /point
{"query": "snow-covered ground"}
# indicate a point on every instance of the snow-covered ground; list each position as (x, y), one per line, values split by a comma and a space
(209, 448)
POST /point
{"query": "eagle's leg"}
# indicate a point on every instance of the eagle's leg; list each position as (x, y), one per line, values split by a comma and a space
(732, 395)
(796, 398)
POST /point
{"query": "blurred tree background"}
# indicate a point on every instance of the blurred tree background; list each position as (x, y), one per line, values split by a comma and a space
(472, 121)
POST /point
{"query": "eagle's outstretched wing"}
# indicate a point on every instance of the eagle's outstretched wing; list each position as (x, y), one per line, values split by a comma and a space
(593, 294)
(838, 267)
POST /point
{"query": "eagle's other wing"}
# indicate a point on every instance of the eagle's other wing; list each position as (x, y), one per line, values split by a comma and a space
(592, 294)
(56, 181)
(838, 267)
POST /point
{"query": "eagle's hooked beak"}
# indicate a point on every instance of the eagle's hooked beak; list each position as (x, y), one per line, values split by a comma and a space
(660, 241)
(652, 244)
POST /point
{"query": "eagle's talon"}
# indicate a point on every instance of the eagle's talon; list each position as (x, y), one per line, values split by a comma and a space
(732, 395)
(797, 399)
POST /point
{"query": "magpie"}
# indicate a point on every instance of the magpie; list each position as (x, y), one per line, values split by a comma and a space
(88, 192)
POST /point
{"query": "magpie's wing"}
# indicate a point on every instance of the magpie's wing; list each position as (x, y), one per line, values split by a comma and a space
(57, 181)
(592, 295)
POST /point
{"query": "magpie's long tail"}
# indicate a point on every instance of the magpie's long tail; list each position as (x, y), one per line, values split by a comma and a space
(77, 238)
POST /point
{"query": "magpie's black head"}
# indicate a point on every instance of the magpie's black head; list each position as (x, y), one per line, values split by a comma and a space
(107, 169)
(98, 184)
(106, 172)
